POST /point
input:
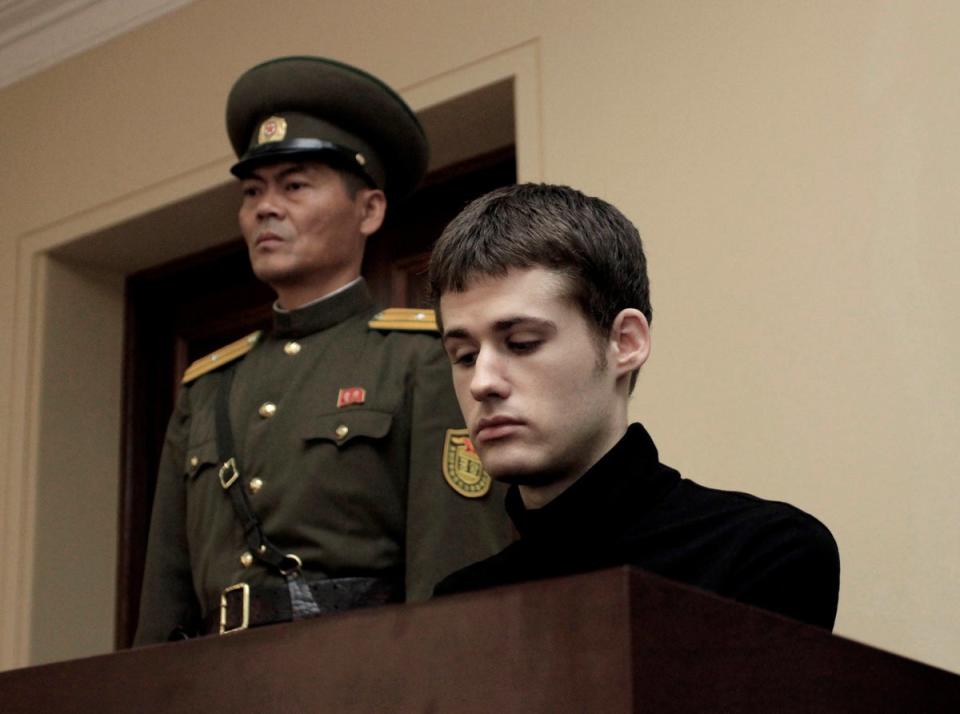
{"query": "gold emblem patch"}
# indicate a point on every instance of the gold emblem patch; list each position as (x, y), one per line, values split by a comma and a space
(272, 129)
(461, 465)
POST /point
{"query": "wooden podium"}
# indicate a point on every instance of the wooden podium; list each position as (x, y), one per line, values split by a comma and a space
(614, 641)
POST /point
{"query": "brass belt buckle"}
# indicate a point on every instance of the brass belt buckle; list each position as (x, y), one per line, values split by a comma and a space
(244, 599)
(228, 474)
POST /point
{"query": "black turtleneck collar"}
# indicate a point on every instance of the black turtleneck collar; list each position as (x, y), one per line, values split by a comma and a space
(323, 313)
(627, 476)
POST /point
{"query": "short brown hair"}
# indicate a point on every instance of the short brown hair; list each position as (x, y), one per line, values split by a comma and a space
(581, 237)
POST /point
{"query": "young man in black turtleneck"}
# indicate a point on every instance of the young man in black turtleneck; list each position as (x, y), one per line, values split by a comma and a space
(545, 315)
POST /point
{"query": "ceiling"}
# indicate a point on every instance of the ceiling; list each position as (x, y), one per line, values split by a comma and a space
(36, 34)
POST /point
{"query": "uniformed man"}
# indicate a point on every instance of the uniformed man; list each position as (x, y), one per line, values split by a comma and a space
(323, 465)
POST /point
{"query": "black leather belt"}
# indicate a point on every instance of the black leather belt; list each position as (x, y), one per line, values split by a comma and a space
(243, 606)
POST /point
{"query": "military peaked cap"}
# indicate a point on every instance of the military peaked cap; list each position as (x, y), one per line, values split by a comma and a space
(311, 106)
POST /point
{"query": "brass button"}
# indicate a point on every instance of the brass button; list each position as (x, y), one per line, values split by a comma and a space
(194, 461)
(262, 549)
(292, 348)
(267, 409)
(246, 560)
(342, 431)
(255, 485)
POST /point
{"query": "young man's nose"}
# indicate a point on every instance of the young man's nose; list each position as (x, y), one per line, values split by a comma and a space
(489, 378)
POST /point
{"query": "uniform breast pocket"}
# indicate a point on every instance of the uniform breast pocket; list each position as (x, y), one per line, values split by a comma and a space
(349, 428)
(205, 500)
(358, 465)
(199, 458)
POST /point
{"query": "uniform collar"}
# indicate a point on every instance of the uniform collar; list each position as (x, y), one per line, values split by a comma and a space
(323, 313)
(629, 476)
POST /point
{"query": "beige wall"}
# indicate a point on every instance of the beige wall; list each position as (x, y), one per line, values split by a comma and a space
(77, 498)
(792, 166)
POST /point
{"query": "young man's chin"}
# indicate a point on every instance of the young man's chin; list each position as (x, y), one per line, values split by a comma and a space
(519, 471)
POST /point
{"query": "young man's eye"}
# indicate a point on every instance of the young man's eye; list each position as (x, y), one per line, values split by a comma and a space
(463, 359)
(523, 346)
(294, 185)
(250, 191)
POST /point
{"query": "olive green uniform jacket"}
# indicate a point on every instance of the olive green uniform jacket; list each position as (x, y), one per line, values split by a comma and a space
(355, 489)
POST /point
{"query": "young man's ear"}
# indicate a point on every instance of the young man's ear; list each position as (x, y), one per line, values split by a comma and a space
(373, 206)
(629, 341)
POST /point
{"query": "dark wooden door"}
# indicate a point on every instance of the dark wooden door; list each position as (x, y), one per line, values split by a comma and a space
(180, 311)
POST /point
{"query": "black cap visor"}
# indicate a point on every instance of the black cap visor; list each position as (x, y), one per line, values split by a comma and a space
(334, 155)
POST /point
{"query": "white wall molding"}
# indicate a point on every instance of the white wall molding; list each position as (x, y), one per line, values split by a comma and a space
(36, 34)
(521, 64)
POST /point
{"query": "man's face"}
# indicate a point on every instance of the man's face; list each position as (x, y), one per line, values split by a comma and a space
(304, 232)
(527, 372)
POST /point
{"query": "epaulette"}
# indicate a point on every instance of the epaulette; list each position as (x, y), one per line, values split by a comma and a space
(222, 356)
(410, 319)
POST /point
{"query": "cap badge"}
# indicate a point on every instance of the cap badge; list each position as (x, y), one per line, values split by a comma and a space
(272, 129)
(461, 465)
(351, 395)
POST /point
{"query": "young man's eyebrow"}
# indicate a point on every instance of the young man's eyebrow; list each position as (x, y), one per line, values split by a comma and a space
(503, 325)
(454, 334)
(523, 321)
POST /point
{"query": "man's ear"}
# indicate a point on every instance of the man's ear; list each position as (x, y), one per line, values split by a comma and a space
(372, 204)
(629, 341)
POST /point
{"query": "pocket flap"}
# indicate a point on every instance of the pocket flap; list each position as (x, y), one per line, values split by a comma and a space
(342, 427)
(199, 457)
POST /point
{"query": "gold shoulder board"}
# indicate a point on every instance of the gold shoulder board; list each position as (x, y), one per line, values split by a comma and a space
(222, 356)
(410, 319)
